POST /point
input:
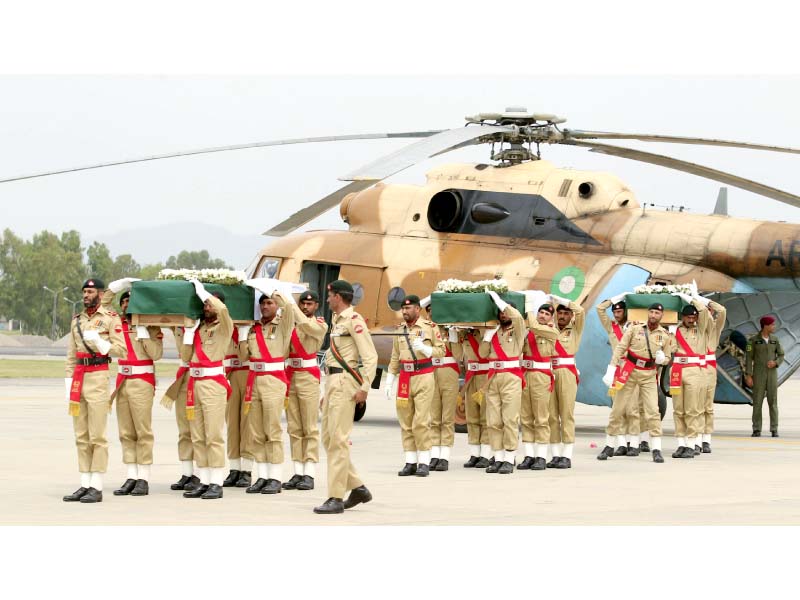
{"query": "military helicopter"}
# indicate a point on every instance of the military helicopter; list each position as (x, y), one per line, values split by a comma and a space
(582, 235)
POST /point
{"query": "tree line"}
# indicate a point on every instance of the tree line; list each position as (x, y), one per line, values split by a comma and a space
(58, 262)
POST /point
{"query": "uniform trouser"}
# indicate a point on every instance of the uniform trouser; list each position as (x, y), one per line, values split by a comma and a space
(208, 424)
(185, 447)
(707, 415)
(302, 415)
(765, 383)
(443, 407)
(238, 432)
(562, 407)
(338, 411)
(90, 424)
(414, 414)
(535, 408)
(135, 421)
(503, 399)
(640, 390)
(477, 432)
(688, 405)
(265, 419)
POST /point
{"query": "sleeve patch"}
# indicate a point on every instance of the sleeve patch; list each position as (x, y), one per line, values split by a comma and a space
(118, 329)
(358, 329)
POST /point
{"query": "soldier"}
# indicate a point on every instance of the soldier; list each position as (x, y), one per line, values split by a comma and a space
(476, 369)
(266, 347)
(240, 456)
(208, 391)
(95, 334)
(570, 319)
(687, 376)
(345, 386)
(503, 347)
(413, 390)
(633, 364)
(445, 396)
(534, 412)
(716, 324)
(763, 357)
(135, 388)
(302, 409)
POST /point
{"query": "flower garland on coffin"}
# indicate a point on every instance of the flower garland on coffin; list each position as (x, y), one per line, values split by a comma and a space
(466, 303)
(218, 276)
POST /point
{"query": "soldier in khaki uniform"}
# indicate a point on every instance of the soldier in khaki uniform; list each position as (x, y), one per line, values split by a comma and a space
(534, 411)
(345, 386)
(763, 357)
(302, 409)
(135, 388)
(476, 369)
(718, 314)
(95, 334)
(266, 347)
(445, 396)
(503, 347)
(240, 457)
(570, 323)
(410, 383)
(634, 364)
(688, 375)
(207, 392)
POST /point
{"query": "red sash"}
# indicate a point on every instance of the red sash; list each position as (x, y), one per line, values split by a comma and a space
(617, 330)
(501, 355)
(536, 356)
(711, 363)
(298, 351)
(473, 343)
(676, 372)
(266, 357)
(133, 361)
(77, 382)
(627, 368)
(204, 363)
(404, 378)
(448, 354)
(562, 353)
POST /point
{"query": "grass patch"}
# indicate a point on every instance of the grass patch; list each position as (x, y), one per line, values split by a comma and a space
(48, 369)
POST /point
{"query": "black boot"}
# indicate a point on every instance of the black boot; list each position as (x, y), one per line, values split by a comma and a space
(553, 464)
(331, 506)
(494, 466)
(506, 468)
(359, 495)
(257, 486)
(538, 464)
(706, 448)
(442, 465)
(141, 489)
(657, 458)
(292, 483)
(632, 451)
(644, 447)
(192, 484)
(774, 433)
(564, 463)
(408, 469)
(606, 453)
(126, 488)
(91, 496)
(273, 486)
(214, 492)
(688, 452)
(196, 492)
(697, 450)
(181, 483)
(679, 452)
(526, 464)
(232, 478)
(756, 434)
(306, 483)
(483, 462)
(76, 495)
(472, 462)
(434, 462)
(244, 479)
(422, 470)
(621, 451)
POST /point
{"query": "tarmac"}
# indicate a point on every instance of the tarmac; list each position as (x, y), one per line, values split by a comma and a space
(745, 481)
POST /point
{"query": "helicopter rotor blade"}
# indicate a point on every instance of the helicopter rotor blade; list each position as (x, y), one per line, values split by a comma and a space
(693, 168)
(671, 139)
(330, 138)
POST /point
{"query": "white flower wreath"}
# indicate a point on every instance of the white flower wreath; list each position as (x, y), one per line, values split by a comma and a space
(219, 276)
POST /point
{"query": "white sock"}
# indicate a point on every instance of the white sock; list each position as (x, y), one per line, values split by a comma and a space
(236, 464)
(692, 442)
(510, 456)
(310, 469)
(681, 442)
(553, 450)
(486, 451)
(627, 439)
(263, 472)
(435, 451)
(474, 449)
(143, 472)
(86, 480)
(411, 457)
(610, 440)
(424, 457)
(568, 450)
(655, 443)
(133, 472)
(275, 471)
(645, 436)
(541, 451)
(444, 453)
(621, 441)
(96, 481)
(187, 468)
(706, 438)
(218, 475)
(529, 449)
(634, 441)
(298, 467)
(247, 464)
(499, 455)
(204, 473)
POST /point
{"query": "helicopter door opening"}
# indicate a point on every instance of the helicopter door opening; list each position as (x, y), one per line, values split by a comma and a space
(317, 276)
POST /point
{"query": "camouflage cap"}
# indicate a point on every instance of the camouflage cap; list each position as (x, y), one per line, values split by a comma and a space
(309, 295)
(94, 283)
(340, 286)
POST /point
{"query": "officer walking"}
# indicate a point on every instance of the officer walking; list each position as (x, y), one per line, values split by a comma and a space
(764, 356)
(345, 386)
(95, 334)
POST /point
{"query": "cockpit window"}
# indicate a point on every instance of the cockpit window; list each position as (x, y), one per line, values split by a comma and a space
(269, 268)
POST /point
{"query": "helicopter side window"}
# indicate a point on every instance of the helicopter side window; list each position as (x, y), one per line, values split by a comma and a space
(395, 298)
(269, 268)
(358, 293)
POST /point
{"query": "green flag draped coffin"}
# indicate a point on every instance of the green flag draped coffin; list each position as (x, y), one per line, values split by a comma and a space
(473, 308)
(639, 303)
(173, 300)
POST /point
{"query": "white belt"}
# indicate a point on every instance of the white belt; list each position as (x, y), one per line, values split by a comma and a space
(445, 360)
(564, 362)
(504, 364)
(711, 357)
(234, 363)
(265, 367)
(197, 372)
(691, 360)
(532, 364)
(184, 365)
(128, 370)
(477, 367)
(300, 363)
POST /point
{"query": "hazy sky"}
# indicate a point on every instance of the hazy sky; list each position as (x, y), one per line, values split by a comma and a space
(52, 122)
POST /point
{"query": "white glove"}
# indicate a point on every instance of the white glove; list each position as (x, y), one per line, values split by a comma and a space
(285, 290)
(608, 378)
(661, 358)
(489, 334)
(618, 298)
(693, 287)
(685, 297)
(200, 290)
(391, 387)
(501, 304)
(122, 284)
(701, 299)
(93, 336)
(142, 333)
(420, 346)
(263, 284)
(188, 333)
(425, 302)
(67, 386)
(452, 335)
(559, 300)
(242, 331)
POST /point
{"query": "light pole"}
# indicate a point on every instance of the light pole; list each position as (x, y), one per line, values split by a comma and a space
(55, 301)
(72, 302)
